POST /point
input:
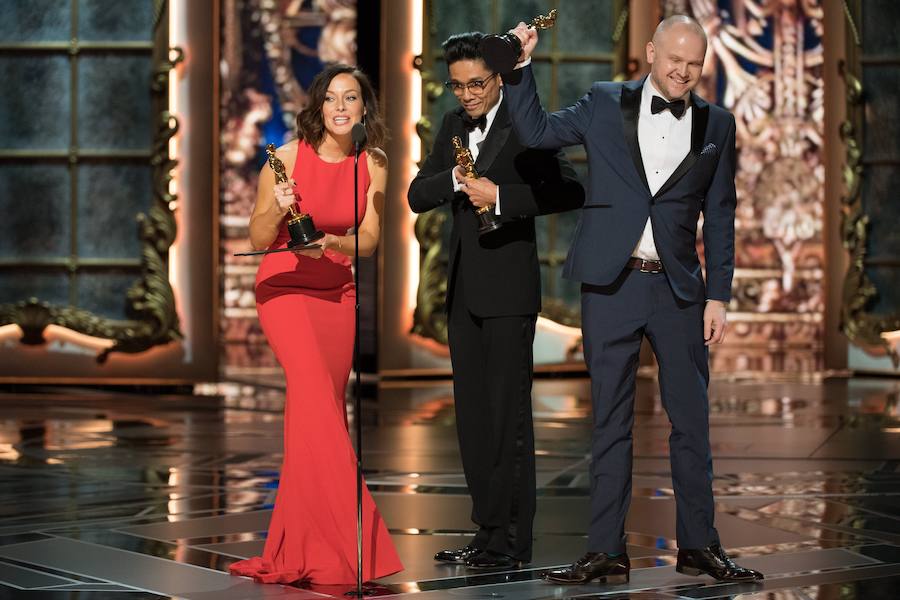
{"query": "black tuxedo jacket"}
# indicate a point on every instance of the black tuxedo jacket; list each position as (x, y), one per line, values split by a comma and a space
(613, 217)
(499, 270)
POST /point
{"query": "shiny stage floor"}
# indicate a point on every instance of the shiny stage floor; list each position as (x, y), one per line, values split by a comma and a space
(107, 494)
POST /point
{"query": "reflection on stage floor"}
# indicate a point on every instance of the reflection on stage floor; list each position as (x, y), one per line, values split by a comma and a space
(111, 494)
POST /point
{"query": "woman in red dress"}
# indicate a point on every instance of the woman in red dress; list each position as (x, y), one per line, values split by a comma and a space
(305, 300)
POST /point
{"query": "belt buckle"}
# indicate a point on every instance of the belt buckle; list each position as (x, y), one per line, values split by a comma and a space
(644, 268)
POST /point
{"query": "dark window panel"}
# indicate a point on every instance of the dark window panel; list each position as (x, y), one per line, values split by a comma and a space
(882, 112)
(879, 189)
(115, 20)
(887, 282)
(109, 199)
(585, 29)
(114, 109)
(104, 292)
(34, 202)
(47, 286)
(543, 78)
(513, 11)
(37, 116)
(448, 17)
(575, 80)
(36, 21)
(879, 27)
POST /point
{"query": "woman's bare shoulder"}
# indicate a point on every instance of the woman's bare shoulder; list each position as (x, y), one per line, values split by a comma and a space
(289, 148)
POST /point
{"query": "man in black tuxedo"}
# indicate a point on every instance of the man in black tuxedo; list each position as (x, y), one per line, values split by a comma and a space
(493, 297)
(658, 155)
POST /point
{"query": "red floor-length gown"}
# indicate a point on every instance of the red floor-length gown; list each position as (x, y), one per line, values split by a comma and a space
(305, 308)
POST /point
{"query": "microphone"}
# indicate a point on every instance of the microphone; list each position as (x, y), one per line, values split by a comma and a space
(358, 135)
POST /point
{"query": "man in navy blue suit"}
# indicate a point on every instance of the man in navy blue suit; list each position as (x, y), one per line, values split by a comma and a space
(659, 156)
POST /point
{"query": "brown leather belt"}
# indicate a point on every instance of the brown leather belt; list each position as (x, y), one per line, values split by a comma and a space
(644, 266)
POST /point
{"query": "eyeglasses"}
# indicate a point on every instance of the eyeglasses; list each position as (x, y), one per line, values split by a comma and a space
(476, 87)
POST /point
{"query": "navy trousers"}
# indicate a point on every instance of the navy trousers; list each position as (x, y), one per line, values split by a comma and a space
(614, 320)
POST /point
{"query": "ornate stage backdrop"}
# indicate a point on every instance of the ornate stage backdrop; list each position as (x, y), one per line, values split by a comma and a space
(765, 65)
(85, 168)
(270, 52)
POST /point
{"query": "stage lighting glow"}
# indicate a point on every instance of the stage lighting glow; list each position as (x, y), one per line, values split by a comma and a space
(416, 89)
(176, 16)
(415, 154)
(179, 47)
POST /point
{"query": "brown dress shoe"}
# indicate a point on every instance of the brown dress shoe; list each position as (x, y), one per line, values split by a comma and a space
(713, 561)
(593, 566)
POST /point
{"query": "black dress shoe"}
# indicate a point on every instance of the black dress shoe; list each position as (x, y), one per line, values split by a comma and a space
(493, 560)
(713, 561)
(593, 566)
(458, 556)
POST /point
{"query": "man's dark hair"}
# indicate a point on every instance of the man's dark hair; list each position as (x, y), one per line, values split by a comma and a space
(462, 46)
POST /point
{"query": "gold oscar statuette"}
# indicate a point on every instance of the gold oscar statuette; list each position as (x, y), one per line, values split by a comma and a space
(487, 218)
(501, 51)
(300, 226)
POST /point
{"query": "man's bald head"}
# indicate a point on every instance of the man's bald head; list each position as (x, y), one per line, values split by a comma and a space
(676, 56)
(679, 24)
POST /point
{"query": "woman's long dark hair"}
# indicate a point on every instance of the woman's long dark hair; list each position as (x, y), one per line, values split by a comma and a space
(310, 124)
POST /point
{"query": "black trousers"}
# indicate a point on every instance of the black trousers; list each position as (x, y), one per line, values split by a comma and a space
(492, 372)
(614, 320)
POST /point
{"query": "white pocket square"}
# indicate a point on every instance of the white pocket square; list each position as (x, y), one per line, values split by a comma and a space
(709, 149)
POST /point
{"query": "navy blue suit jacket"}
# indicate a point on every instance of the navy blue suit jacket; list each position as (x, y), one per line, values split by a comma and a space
(619, 199)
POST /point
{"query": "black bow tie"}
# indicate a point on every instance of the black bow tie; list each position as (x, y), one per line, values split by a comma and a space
(657, 105)
(470, 123)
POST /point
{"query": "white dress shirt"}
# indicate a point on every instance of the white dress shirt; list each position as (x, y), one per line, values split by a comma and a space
(476, 137)
(664, 142)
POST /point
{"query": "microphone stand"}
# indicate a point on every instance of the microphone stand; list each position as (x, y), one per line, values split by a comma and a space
(359, 139)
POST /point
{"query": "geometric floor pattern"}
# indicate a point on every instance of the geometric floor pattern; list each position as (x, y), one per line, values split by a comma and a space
(114, 494)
